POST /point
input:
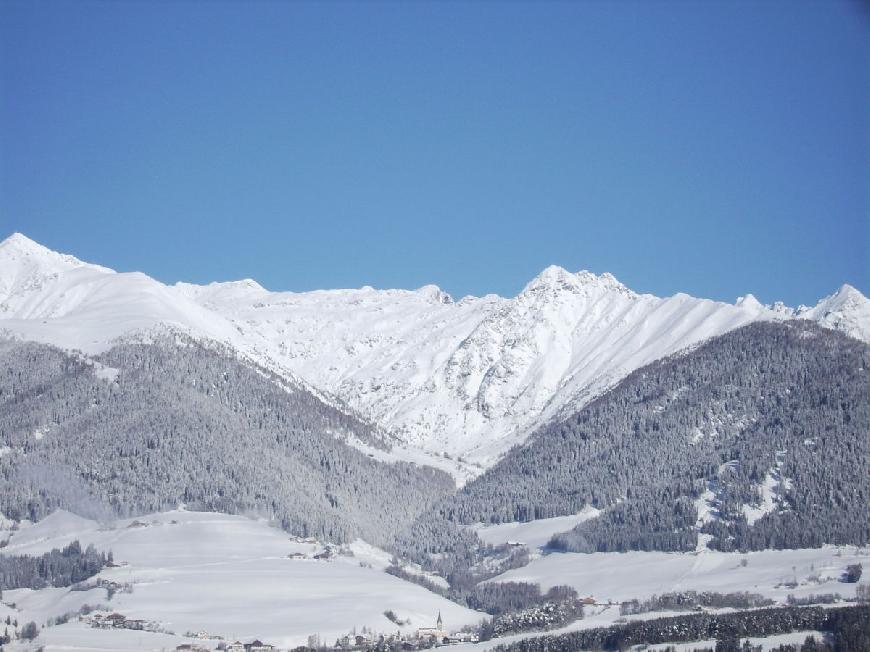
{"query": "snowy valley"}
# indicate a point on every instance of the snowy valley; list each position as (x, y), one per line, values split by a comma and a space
(206, 580)
(395, 465)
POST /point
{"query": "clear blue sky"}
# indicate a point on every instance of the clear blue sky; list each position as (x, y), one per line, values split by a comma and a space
(712, 148)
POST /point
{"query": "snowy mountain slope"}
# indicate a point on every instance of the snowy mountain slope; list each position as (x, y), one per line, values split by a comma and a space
(471, 378)
(60, 300)
(468, 378)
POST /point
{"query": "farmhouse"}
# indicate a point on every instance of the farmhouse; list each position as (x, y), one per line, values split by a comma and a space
(115, 620)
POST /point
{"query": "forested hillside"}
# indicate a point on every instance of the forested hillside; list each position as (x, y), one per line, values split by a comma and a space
(759, 437)
(151, 426)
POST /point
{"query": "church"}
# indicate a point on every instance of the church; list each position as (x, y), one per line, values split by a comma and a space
(436, 632)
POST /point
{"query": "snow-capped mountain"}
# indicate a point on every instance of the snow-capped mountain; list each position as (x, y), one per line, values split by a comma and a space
(847, 310)
(61, 300)
(468, 378)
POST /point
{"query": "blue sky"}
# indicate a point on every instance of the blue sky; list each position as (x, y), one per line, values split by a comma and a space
(712, 148)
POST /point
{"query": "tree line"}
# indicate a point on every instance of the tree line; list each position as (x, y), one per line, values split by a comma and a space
(59, 567)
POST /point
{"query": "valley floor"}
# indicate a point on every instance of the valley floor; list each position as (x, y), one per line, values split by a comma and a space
(618, 577)
(233, 577)
(222, 575)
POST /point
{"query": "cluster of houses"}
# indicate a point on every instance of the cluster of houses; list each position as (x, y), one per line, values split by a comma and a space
(367, 641)
(322, 555)
(421, 639)
(119, 621)
(238, 646)
(325, 554)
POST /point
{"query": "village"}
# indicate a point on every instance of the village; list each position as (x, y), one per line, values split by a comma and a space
(423, 638)
(366, 640)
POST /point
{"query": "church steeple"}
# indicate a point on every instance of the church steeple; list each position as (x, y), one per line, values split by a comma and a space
(439, 622)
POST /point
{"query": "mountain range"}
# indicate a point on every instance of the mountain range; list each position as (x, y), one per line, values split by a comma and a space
(450, 383)
(482, 452)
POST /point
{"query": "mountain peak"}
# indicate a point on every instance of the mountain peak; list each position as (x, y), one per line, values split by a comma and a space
(845, 297)
(23, 258)
(553, 272)
(847, 310)
(749, 301)
(245, 284)
(20, 243)
(434, 294)
(847, 291)
(556, 278)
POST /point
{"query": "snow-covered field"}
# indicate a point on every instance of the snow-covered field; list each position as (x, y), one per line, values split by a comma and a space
(231, 576)
(616, 577)
(81, 637)
(533, 534)
(225, 575)
(624, 576)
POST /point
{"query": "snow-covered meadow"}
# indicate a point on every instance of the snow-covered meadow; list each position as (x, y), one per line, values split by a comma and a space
(227, 576)
(616, 577)
(233, 577)
(533, 534)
